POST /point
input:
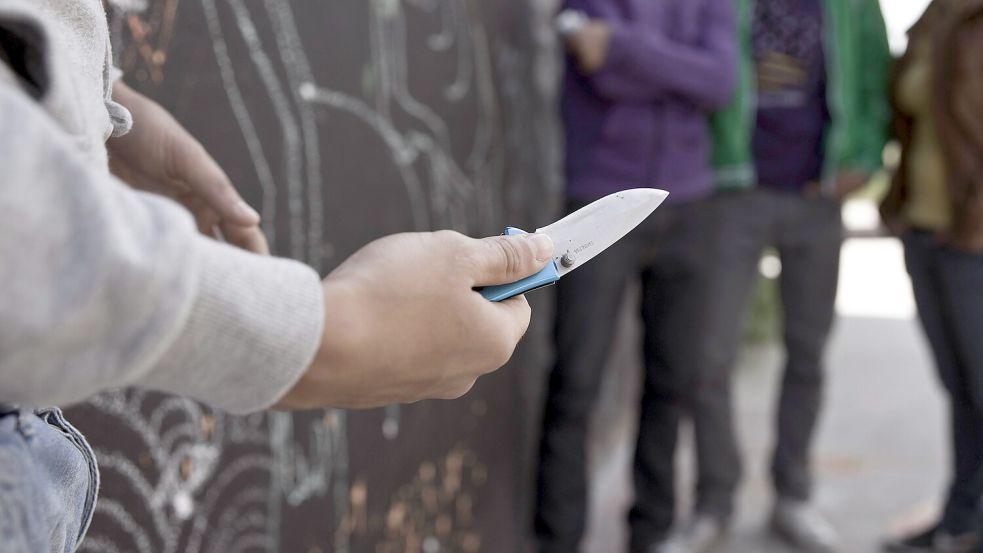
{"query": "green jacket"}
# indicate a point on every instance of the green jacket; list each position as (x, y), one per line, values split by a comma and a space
(857, 62)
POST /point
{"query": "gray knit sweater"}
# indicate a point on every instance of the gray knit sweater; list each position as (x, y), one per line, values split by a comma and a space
(101, 286)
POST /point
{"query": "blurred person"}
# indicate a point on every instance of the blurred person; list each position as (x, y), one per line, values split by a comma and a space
(641, 79)
(104, 285)
(936, 206)
(806, 127)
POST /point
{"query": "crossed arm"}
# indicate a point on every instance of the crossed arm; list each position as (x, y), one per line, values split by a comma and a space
(628, 61)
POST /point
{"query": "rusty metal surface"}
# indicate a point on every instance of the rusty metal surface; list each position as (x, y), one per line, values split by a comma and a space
(342, 121)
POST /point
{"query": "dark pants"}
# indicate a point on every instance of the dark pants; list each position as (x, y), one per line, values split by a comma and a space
(948, 289)
(807, 234)
(667, 252)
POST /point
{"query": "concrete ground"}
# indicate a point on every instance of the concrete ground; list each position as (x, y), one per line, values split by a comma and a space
(880, 454)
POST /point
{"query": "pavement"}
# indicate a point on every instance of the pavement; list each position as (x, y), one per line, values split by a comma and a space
(880, 456)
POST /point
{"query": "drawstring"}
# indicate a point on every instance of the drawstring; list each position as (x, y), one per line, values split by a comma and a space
(25, 425)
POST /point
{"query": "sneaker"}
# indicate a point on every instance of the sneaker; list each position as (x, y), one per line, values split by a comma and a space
(703, 534)
(665, 546)
(967, 542)
(801, 525)
(922, 542)
(934, 540)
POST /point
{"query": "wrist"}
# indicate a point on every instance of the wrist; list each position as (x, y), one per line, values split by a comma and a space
(329, 378)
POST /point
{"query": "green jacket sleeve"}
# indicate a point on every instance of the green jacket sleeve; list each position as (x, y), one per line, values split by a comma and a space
(872, 80)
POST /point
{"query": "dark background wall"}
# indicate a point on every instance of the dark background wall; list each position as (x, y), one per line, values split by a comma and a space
(342, 121)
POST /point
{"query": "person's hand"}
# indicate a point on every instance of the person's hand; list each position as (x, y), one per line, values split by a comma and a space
(403, 321)
(158, 155)
(589, 45)
(849, 181)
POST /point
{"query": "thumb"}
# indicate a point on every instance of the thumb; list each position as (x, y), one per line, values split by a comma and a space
(504, 259)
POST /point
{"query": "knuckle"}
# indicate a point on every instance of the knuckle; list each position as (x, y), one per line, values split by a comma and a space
(224, 188)
(462, 389)
(525, 315)
(171, 157)
(455, 390)
(501, 352)
(448, 236)
(453, 243)
(511, 257)
(519, 317)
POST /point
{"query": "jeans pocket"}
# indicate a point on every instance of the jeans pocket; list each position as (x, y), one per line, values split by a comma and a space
(54, 417)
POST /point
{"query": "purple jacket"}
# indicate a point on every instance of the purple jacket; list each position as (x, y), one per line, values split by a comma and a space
(641, 119)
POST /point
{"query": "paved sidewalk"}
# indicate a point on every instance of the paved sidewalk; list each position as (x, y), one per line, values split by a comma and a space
(881, 449)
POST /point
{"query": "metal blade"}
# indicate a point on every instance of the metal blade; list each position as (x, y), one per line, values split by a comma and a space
(592, 229)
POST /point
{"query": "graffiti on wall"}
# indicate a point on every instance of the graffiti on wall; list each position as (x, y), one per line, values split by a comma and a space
(340, 121)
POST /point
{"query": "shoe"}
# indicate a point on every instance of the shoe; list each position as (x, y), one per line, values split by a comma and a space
(665, 546)
(703, 534)
(801, 525)
(922, 542)
(934, 540)
(958, 543)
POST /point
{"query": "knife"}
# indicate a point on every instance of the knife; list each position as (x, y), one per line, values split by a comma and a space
(582, 235)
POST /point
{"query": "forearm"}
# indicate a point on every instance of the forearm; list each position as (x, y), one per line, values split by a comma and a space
(644, 64)
(873, 77)
(105, 287)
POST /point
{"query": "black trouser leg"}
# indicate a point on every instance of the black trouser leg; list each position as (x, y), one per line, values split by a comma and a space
(809, 246)
(672, 298)
(948, 290)
(740, 229)
(962, 286)
(588, 303)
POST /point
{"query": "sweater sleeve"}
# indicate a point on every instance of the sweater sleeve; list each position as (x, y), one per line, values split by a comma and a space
(103, 287)
(644, 65)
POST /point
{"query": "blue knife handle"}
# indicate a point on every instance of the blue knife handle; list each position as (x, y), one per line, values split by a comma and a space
(547, 276)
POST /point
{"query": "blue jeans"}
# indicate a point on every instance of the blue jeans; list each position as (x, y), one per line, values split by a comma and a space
(48, 482)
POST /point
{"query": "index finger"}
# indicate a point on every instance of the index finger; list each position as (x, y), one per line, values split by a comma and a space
(509, 320)
(201, 173)
(247, 237)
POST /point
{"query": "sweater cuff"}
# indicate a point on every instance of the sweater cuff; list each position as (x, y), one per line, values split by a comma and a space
(253, 330)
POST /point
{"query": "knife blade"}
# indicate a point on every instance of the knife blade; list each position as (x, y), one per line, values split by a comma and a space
(582, 235)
